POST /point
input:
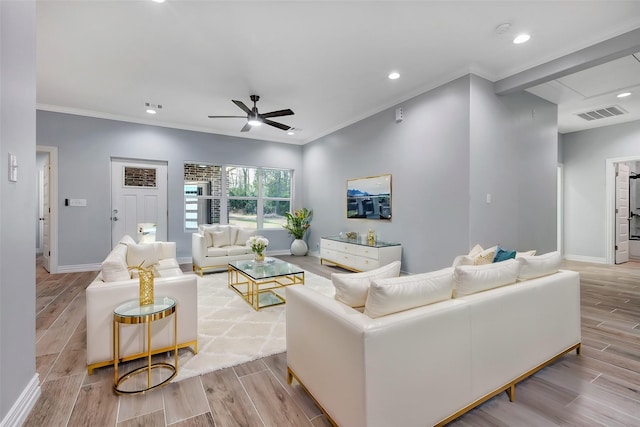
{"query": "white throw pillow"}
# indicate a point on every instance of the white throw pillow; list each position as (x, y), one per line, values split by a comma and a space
(220, 238)
(486, 256)
(243, 236)
(525, 253)
(462, 260)
(388, 296)
(352, 288)
(142, 253)
(206, 231)
(538, 266)
(475, 251)
(469, 279)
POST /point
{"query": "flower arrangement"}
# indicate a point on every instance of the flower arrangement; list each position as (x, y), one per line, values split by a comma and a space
(258, 244)
(298, 222)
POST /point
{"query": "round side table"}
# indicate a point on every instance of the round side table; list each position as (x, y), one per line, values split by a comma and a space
(132, 313)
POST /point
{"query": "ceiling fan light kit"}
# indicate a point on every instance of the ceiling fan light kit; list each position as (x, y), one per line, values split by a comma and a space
(254, 118)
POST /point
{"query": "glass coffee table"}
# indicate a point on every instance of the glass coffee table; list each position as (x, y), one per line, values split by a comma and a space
(257, 282)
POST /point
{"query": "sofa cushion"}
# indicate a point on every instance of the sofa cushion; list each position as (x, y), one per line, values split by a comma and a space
(538, 266)
(114, 267)
(469, 279)
(220, 238)
(143, 254)
(243, 235)
(396, 294)
(238, 250)
(216, 252)
(352, 288)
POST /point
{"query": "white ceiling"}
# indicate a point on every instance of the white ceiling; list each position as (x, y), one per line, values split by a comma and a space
(326, 60)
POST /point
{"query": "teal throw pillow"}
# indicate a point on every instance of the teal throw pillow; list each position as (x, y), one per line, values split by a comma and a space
(503, 255)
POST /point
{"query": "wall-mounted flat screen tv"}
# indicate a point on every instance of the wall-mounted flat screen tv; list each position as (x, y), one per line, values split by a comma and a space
(369, 198)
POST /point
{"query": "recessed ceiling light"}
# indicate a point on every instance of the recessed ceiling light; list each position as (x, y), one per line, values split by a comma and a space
(158, 1)
(623, 94)
(291, 132)
(521, 38)
(394, 75)
(150, 111)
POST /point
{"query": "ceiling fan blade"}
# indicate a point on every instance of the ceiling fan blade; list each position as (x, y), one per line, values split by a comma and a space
(278, 113)
(276, 124)
(227, 117)
(245, 128)
(242, 106)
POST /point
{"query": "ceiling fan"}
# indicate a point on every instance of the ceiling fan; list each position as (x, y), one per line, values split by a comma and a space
(254, 118)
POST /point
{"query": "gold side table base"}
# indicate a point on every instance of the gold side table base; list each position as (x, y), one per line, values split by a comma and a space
(141, 370)
(131, 313)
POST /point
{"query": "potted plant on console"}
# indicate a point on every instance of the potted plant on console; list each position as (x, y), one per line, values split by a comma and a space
(298, 222)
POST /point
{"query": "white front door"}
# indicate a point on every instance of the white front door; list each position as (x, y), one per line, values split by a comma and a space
(138, 195)
(622, 213)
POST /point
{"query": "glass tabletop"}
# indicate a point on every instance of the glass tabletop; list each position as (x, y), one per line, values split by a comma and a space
(133, 308)
(270, 267)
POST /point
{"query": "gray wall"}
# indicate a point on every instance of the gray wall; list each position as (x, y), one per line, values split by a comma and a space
(584, 155)
(85, 148)
(17, 236)
(456, 144)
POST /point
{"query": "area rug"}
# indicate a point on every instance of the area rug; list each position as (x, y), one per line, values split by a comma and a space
(231, 332)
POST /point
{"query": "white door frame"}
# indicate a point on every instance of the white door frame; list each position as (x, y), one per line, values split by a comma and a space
(53, 205)
(610, 205)
(560, 209)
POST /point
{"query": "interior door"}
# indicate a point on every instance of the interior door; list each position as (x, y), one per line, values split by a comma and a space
(45, 215)
(138, 195)
(622, 213)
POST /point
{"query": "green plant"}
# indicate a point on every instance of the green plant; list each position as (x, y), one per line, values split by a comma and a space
(298, 222)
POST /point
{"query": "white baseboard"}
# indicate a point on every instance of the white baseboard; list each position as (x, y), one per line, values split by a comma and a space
(21, 408)
(582, 258)
(79, 268)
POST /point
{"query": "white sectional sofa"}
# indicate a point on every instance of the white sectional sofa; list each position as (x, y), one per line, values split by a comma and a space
(214, 246)
(115, 285)
(428, 365)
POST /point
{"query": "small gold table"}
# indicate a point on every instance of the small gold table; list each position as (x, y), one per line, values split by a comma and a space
(256, 282)
(132, 313)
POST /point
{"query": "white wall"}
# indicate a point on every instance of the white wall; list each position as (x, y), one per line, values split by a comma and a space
(457, 143)
(85, 148)
(17, 204)
(584, 155)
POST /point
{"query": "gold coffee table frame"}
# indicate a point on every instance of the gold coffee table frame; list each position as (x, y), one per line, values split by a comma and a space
(132, 313)
(256, 282)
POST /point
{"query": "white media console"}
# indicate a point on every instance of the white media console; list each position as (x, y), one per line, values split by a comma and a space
(355, 256)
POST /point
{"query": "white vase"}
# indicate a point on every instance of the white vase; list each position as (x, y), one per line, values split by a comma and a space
(299, 247)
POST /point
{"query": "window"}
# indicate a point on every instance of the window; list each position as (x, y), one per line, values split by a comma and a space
(202, 195)
(252, 197)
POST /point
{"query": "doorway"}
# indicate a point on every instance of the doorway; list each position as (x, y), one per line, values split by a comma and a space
(618, 210)
(138, 195)
(47, 212)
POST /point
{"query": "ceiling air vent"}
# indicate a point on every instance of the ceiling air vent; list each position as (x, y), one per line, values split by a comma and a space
(602, 113)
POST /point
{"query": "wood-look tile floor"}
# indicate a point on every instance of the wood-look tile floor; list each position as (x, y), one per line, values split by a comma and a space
(599, 387)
